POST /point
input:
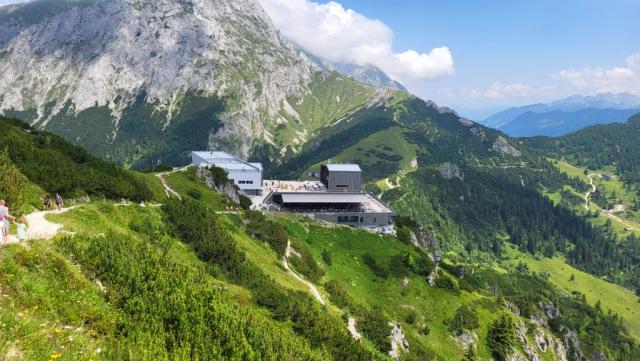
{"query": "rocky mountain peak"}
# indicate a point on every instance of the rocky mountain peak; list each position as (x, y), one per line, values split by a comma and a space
(69, 56)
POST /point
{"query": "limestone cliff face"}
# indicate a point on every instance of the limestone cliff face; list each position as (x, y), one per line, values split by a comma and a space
(62, 57)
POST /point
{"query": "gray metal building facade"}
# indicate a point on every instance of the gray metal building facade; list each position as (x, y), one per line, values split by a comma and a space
(341, 177)
(357, 218)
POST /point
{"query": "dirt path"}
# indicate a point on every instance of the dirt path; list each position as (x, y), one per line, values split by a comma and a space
(606, 213)
(39, 226)
(351, 326)
(621, 221)
(167, 189)
(285, 262)
(588, 194)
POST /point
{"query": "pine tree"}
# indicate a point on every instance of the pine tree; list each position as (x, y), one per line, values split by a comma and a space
(502, 337)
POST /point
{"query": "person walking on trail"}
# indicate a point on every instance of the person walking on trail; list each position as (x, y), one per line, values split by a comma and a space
(5, 216)
(46, 202)
(2, 237)
(21, 230)
(59, 203)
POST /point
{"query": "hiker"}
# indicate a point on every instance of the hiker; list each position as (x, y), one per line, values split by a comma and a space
(5, 216)
(59, 202)
(21, 230)
(46, 202)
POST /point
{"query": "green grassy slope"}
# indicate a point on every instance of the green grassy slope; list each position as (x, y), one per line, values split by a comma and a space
(331, 97)
(112, 244)
(612, 297)
(123, 245)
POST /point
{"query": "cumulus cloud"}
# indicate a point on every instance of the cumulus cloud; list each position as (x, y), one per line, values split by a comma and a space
(343, 35)
(616, 79)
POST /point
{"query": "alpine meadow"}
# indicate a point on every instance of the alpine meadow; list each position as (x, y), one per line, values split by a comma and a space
(281, 180)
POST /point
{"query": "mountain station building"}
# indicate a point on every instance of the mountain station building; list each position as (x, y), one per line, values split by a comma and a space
(336, 196)
(247, 176)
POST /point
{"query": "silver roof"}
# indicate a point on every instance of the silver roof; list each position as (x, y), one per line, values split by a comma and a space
(227, 161)
(343, 168)
(323, 197)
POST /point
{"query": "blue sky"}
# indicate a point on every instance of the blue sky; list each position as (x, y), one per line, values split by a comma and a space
(504, 53)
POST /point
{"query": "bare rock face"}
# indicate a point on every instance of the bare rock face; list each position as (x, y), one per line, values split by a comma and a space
(572, 346)
(226, 188)
(466, 122)
(450, 170)
(515, 356)
(550, 310)
(63, 57)
(399, 343)
(466, 339)
(501, 145)
(521, 335)
(479, 132)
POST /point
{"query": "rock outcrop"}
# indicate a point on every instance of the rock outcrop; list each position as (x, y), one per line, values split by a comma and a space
(450, 170)
(399, 343)
(501, 145)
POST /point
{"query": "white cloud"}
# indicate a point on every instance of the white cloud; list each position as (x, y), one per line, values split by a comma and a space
(343, 35)
(590, 80)
(7, 2)
(585, 81)
(499, 91)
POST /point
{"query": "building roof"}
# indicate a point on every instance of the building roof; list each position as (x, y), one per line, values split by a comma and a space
(323, 197)
(210, 155)
(227, 161)
(343, 168)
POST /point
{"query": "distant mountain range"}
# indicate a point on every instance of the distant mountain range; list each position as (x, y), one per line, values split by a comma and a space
(566, 115)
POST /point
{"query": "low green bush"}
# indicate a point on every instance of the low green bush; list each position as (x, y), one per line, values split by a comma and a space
(326, 257)
(305, 264)
(445, 282)
(375, 327)
(377, 268)
(465, 318)
(194, 193)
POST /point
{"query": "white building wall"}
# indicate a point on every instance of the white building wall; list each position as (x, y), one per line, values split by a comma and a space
(246, 180)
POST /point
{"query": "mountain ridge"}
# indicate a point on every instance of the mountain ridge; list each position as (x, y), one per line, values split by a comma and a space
(515, 120)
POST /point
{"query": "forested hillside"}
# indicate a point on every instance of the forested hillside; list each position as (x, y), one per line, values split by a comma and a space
(599, 146)
(39, 158)
(472, 187)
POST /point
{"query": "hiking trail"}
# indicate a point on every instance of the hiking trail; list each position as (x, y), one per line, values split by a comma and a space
(167, 188)
(285, 261)
(588, 194)
(39, 227)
